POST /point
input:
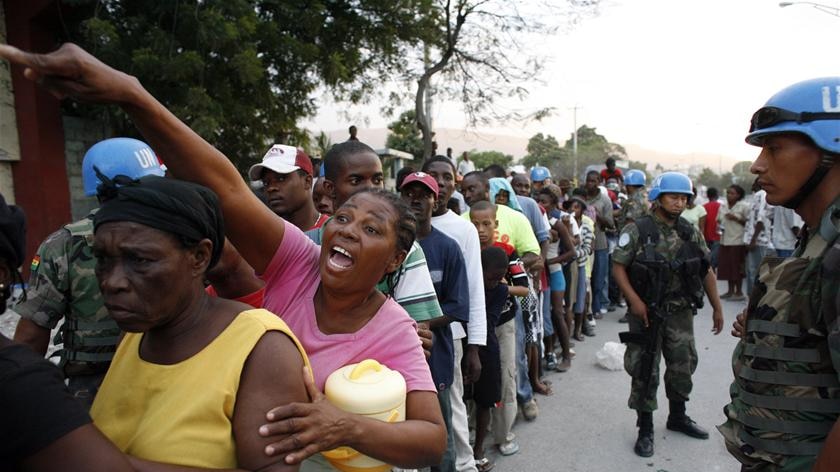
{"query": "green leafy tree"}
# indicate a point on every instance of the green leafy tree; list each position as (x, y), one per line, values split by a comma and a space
(475, 49)
(482, 159)
(638, 165)
(593, 149)
(322, 144)
(742, 176)
(242, 73)
(404, 135)
(543, 150)
(710, 178)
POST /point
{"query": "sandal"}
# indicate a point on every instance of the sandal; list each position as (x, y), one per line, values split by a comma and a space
(484, 464)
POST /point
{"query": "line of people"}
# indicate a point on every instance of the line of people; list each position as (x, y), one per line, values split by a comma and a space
(469, 308)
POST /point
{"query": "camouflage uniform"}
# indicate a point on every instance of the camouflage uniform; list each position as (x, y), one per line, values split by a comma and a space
(676, 341)
(786, 392)
(63, 285)
(633, 208)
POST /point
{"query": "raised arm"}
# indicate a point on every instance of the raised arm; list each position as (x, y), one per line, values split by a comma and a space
(72, 72)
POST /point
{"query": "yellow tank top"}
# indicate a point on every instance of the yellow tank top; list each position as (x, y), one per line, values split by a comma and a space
(182, 413)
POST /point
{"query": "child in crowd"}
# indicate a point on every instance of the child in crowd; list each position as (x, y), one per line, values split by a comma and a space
(487, 390)
(581, 277)
(483, 216)
(555, 258)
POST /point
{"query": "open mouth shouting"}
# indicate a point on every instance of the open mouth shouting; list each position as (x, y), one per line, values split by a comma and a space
(340, 258)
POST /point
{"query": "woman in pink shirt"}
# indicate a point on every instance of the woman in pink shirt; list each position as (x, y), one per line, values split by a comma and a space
(327, 295)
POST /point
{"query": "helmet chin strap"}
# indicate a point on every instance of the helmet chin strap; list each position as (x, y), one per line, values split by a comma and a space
(826, 163)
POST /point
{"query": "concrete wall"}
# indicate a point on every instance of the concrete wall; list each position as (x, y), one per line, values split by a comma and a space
(79, 136)
(9, 144)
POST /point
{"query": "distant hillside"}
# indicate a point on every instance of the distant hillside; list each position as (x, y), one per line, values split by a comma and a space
(461, 140)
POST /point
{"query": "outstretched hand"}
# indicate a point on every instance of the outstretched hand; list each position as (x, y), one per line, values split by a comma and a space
(305, 429)
(70, 71)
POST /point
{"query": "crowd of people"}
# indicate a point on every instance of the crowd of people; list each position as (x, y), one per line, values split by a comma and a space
(203, 314)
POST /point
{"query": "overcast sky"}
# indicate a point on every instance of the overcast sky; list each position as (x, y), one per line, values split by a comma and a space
(680, 76)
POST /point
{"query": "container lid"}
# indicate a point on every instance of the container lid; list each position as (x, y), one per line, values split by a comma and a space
(365, 388)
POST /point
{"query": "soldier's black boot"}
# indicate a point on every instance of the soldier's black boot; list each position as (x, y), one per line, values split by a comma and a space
(679, 421)
(644, 443)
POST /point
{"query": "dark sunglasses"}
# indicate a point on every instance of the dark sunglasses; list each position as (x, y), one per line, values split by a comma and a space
(771, 116)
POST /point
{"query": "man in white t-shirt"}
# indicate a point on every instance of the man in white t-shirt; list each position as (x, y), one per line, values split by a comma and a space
(757, 234)
(786, 226)
(466, 165)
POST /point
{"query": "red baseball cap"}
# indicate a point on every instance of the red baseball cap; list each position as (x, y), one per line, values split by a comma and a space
(282, 159)
(424, 179)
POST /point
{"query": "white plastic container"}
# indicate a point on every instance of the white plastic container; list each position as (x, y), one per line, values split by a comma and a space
(369, 389)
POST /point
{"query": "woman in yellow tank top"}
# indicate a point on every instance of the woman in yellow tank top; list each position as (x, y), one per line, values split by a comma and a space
(194, 375)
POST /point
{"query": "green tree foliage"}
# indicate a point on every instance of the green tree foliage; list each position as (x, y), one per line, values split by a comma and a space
(543, 150)
(740, 175)
(593, 149)
(638, 165)
(323, 143)
(477, 55)
(242, 73)
(482, 159)
(404, 135)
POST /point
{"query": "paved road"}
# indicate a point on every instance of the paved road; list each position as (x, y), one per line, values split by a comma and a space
(586, 425)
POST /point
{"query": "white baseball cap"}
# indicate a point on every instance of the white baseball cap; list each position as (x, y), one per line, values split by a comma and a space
(282, 159)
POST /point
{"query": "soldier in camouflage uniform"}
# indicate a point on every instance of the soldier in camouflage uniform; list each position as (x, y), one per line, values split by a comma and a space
(63, 284)
(633, 208)
(664, 322)
(786, 392)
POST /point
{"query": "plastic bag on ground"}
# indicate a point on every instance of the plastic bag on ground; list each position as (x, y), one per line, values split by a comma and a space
(611, 356)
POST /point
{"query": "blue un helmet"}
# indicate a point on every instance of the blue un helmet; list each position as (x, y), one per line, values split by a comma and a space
(635, 177)
(539, 174)
(118, 156)
(812, 108)
(670, 182)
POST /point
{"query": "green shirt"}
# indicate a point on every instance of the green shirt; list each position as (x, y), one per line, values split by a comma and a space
(514, 229)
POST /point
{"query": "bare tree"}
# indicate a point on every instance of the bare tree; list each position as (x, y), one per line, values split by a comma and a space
(480, 54)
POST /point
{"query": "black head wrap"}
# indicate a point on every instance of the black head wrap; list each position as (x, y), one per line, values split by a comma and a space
(12, 234)
(189, 211)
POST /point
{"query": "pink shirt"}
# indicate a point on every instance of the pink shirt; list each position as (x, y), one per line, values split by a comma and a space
(390, 337)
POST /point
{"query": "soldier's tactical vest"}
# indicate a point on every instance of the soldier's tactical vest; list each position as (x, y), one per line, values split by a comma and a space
(89, 334)
(786, 393)
(651, 270)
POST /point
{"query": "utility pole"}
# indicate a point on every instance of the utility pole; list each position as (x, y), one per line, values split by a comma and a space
(575, 143)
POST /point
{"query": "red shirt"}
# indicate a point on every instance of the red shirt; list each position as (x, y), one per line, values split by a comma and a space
(320, 222)
(616, 174)
(254, 299)
(710, 231)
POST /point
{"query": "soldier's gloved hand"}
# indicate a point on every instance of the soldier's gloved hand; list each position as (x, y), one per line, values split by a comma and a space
(639, 310)
(738, 326)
